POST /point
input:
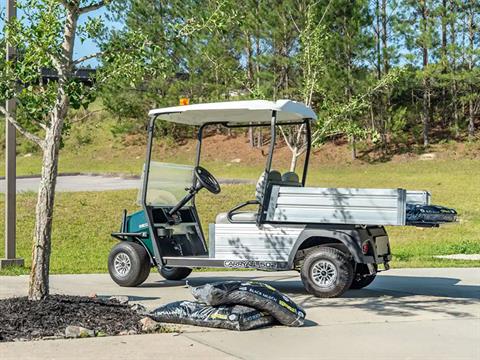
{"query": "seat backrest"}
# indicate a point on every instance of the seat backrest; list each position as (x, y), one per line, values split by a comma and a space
(272, 176)
(290, 178)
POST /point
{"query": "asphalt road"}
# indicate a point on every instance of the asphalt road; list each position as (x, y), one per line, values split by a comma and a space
(404, 314)
(72, 183)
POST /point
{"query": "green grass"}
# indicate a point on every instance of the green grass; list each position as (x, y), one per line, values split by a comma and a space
(83, 221)
(452, 183)
(81, 227)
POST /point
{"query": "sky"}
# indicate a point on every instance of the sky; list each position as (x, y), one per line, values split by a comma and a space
(81, 49)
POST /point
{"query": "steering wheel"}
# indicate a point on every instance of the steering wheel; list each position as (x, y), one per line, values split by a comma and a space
(206, 180)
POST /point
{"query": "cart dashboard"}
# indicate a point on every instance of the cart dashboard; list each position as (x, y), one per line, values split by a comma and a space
(185, 215)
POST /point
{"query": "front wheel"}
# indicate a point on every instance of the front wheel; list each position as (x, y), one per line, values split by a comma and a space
(128, 264)
(175, 273)
(327, 272)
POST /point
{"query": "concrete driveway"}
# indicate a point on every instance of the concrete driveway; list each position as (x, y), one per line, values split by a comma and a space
(93, 182)
(404, 314)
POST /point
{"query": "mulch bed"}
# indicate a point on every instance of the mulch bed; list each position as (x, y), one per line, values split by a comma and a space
(21, 319)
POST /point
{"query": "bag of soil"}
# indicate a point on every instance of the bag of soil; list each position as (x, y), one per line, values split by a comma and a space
(260, 296)
(231, 317)
(417, 213)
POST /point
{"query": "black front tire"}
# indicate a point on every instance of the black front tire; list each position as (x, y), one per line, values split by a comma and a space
(175, 273)
(337, 276)
(361, 279)
(128, 264)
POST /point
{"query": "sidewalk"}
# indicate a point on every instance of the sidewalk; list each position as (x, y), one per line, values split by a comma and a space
(406, 313)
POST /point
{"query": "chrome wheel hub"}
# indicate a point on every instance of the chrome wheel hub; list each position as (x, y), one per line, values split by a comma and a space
(122, 264)
(324, 273)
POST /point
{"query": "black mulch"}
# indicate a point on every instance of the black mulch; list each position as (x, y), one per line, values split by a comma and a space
(21, 319)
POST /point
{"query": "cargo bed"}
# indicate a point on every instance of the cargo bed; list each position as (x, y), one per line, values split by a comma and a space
(354, 206)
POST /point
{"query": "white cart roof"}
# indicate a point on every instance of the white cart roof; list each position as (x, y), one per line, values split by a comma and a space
(236, 112)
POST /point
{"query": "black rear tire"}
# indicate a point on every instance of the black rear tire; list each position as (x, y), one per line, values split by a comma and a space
(361, 279)
(327, 272)
(175, 273)
(128, 264)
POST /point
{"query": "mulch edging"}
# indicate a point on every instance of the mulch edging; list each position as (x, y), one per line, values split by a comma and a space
(22, 319)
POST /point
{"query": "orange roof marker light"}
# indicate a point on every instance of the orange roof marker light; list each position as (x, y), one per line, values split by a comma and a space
(184, 101)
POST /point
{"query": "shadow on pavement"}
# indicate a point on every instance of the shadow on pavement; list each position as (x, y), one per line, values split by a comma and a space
(396, 286)
(387, 296)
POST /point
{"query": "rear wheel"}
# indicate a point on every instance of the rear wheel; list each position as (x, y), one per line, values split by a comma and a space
(327, 272)
(128, 264)
(362, 277)
(175, 273)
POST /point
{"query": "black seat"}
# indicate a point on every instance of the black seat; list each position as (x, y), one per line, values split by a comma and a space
(234, 216)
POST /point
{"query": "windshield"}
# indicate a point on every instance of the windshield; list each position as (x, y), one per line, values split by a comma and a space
(167, 183)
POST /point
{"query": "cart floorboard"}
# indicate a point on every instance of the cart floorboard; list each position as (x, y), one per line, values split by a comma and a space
(203, 261)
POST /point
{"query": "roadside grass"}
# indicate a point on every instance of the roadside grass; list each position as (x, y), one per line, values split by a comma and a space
(81, 229)
(84, 220)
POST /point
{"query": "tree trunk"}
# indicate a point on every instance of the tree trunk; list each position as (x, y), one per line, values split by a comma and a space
(293, 163)
(259, 138)
(426, 80)
(39, 284)
(386, 68)
(471, 37)
(349, 86)
(257, 48)
(248, 51)
(378, 65)
(471, 124)
(426, 110)
(354, 148)
(444, 61)
(453, 40)
(386, 60)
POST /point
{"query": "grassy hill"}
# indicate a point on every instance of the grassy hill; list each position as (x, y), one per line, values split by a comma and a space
(83, 221)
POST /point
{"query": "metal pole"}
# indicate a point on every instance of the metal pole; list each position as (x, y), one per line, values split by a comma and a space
(10, 167)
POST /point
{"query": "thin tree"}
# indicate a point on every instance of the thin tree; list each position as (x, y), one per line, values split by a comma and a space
(453, 60)
(312, 59)
(45, 37)
(472, 9)
(417, 24)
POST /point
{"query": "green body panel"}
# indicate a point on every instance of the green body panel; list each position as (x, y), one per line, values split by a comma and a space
(137, 222)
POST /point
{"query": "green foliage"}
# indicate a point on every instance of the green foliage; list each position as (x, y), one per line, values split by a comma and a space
(312, 59)
(336, 117)
(359, 64)
(329, 54)
(127, 58)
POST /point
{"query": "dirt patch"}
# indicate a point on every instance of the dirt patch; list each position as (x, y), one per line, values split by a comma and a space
(235, 148)
(22, 319)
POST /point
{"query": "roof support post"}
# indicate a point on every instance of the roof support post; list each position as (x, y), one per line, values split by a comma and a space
(199, 143)
(148, 214)
(307, 152)
(273, 136)
(268, 165)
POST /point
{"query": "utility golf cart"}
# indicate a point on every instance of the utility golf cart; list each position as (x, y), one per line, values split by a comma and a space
(333, 236)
